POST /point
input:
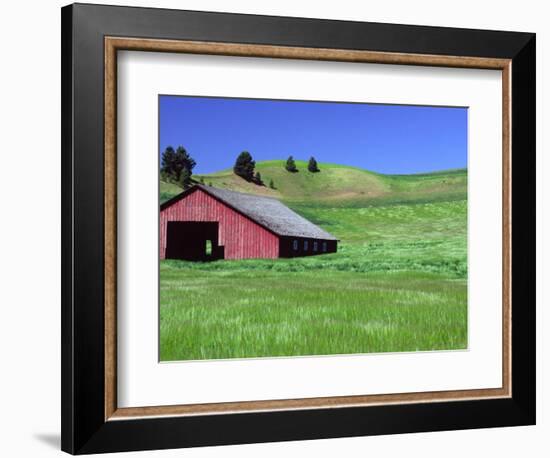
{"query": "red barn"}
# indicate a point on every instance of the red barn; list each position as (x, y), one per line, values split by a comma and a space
(205, 223)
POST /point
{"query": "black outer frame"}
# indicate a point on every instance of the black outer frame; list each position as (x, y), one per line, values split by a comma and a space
(84, 429)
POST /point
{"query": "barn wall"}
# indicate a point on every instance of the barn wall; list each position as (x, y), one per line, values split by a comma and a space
(286, 247)
(241, 237)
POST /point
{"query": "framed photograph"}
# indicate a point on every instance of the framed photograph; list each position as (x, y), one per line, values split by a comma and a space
(281, 228)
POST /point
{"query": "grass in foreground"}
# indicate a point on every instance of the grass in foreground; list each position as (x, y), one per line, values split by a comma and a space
(243, 314)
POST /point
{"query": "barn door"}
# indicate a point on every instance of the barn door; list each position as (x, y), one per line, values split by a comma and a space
(193, 241)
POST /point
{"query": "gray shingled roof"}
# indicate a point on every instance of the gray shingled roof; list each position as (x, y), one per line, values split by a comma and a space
(270, 213)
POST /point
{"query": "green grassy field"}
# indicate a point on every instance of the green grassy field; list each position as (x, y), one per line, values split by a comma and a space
(397, 282)
(168, 190)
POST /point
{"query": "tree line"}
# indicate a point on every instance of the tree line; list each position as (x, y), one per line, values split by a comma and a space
(177, 167)
(244, 166)
(312, 166)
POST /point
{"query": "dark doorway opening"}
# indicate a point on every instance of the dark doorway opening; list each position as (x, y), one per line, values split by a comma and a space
(193, 241)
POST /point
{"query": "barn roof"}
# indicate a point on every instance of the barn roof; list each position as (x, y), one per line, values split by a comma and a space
(266, 211)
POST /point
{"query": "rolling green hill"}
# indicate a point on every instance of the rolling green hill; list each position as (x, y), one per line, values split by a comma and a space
(398, 281)
(339, 185)
(168, 190)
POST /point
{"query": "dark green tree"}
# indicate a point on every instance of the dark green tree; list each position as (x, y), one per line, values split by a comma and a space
(244, 166)
(290, 165)
(312, 165)
(185, 179)
(201, 180)
(167, 163)
(271, 184)
(258, 178)
(177, 166)
(183, 162)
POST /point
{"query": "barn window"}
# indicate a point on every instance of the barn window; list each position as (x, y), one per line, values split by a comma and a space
(295, 245)
(305, 245)
(325, 246)
(208, 247)
(314, 246)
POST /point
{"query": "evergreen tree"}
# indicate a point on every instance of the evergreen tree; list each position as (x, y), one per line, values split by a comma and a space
(176, 163)
(312, 165)
(183, 162)
(202, 180)
(167, 163)
(244, 166)
(185, 178)
(258, 178)
(271, 184)
(290, 165)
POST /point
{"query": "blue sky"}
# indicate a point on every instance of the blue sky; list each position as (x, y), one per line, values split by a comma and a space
(381, 138)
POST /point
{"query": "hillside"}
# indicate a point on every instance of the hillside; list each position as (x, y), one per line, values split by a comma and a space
(168, 190)
(398, 281)
(338, 185)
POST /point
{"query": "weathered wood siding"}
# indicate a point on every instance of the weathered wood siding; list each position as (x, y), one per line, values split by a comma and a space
(241, 237)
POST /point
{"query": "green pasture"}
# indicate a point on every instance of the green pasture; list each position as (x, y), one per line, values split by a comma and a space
(397, 282)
